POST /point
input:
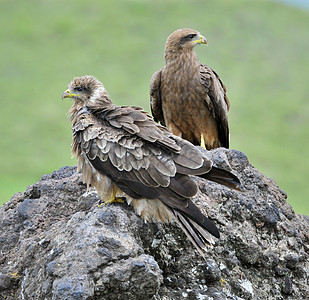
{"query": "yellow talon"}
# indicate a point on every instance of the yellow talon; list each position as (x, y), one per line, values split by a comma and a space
(113, 198)
(15, 275)
(223, 282)
(203, 142)
(119, 199)
(101, 203)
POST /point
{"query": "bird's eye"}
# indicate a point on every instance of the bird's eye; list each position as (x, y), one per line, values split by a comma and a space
(79, 88)
(191, 36)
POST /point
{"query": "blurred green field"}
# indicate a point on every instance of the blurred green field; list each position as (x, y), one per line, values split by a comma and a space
(259, 48)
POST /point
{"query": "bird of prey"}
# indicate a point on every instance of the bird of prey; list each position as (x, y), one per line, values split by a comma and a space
(188, 97)
(123, 153)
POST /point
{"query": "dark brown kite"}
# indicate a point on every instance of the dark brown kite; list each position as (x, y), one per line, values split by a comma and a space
(123, 153)
(188, 97)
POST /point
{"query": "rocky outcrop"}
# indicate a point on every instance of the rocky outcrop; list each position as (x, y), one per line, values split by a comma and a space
(56, 243)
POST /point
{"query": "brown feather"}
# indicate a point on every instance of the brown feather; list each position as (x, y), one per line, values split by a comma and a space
(122, 152)
(188, 97)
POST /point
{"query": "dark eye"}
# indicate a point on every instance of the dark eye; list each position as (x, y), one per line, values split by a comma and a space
(191, 36)
(79, 88)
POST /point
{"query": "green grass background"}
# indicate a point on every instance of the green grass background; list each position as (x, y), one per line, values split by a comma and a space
(259, 48)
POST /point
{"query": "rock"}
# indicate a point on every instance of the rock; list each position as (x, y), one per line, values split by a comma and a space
(291, 260)
(210, 271)
(287, 286)
(56, 243)
(281, 271)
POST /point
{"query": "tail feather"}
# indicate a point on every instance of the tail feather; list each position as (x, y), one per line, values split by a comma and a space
(198, 235)
(223, 177)
(191, 212)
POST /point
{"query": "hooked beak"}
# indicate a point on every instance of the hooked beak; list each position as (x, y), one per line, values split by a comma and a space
(67, 94)
(200, 40)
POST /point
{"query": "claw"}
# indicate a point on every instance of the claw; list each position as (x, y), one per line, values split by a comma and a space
(113, 199)
(119, 199)
(101, 203)
(223, 282)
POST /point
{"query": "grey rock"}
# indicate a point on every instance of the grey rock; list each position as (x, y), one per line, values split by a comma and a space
(287, 287)
(210, 270)
(291, 260)
(243, 289)
(281, 271)
(5, 281)
(73, 288)
(57, 243)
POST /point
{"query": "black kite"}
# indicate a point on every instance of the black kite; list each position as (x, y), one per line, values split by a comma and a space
(123, 153)
(188, 97)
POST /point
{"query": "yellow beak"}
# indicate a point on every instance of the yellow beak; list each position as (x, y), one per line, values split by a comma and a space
(200, 40)
(67, 94)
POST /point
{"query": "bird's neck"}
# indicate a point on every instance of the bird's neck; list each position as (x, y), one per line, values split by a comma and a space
(98, 103)
(76, 111)
(183, 61)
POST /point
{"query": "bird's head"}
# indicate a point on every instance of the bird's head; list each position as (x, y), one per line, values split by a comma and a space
(184, 39)
(81, 89)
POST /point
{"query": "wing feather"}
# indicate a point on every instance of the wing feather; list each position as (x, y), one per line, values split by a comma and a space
(163, 164)
(120, 152)
(93, 150)
(217, 101)
(155, 98)
(145, 178)
(101, 143)
(189, 156)
(137, 116)
(131, 128)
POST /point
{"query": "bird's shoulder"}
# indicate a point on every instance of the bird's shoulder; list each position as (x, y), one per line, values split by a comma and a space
(155, 81)
(213, 86)
(208, 76)
(124, 122)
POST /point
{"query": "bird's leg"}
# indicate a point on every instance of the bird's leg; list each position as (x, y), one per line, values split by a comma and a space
(112, 198)
(119, 199)
(203, 142)
(115, 200)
